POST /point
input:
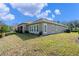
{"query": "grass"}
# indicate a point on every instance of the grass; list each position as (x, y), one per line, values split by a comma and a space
(65, 44)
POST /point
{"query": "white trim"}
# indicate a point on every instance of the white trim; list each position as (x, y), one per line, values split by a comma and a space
(44, 29)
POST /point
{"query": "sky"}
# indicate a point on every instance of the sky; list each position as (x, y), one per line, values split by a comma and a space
(15, 13)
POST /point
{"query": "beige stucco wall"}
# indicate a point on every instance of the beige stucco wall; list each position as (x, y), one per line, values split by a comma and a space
(52, 28)
(24, 28)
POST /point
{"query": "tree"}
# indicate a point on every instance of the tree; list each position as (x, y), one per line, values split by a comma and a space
(5, 28)
(73, 25)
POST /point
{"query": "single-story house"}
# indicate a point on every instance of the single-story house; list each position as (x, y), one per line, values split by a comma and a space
(42, 25)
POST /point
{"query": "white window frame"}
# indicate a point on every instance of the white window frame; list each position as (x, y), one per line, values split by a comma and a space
(36, 28)
(45, 28)
(32, 28)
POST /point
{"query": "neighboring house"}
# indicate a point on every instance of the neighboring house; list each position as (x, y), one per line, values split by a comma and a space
(42, 25)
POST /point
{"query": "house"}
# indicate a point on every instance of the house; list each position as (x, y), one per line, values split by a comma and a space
(42, 25)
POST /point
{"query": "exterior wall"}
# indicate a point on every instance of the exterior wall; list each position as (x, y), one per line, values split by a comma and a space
(26, 27)
(52, 28)
(23, 29)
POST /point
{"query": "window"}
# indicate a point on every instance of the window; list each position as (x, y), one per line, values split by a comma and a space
(37, 28)
(34, 28)
(30, 28)
(45, 27)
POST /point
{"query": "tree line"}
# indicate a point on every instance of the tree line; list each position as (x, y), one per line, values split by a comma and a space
(73, 25)
(4, 27)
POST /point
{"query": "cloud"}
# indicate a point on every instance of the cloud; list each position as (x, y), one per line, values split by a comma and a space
(45, 14)
(49, 18)
(29, 9)
(5, 12)
(48, 11)
(8, 17)
(3, 9)
(53, 16)
(57, 12)
(35, 9)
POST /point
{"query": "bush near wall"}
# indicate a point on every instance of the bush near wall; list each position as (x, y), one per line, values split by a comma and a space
(1, 33)
(26, 31)
(67, 31)
(40, 33)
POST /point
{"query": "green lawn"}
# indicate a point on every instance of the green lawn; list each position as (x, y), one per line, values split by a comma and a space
(32, 45)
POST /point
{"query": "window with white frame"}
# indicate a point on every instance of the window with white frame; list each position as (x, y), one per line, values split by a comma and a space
(31, 28)
(34, 28)
(45, 27)
(37, 27)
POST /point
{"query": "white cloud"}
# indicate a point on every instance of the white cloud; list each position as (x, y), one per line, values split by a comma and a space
(48, 11)
(29, 9)
(35, 9)
(43, 14)
(3, 9)
(49, 18)
(53, 16)
(8, 17)
(57, 12)
(5, 12)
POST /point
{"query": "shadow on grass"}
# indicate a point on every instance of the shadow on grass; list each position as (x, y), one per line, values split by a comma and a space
(7, 34)
(26, 36)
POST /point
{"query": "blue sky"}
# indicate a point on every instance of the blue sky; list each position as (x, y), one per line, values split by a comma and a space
(62, 12)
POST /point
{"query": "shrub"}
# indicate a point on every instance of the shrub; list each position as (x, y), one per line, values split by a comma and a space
(74, 31)
(40, 33)
(78, 31)
(16, 30)
(1, 33)
(26, 31)
(67, 31)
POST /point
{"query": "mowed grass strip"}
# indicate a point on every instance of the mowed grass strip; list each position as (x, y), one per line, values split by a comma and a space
(33, 45)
